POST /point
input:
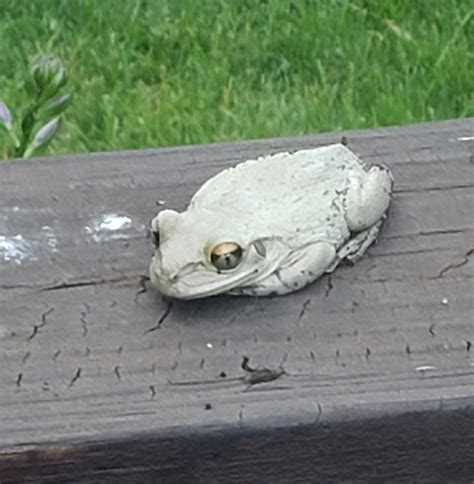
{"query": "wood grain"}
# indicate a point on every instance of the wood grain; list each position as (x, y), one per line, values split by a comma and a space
(101, 381)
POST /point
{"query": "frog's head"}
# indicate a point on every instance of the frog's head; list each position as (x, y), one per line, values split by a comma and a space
(198, 259)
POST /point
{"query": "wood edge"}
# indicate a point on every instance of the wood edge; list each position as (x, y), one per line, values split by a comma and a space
(430, 441)
(325, 136)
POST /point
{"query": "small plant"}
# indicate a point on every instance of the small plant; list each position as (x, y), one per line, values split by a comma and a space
(46, 79)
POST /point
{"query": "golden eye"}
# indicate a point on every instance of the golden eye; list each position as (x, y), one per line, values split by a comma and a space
(226, 256)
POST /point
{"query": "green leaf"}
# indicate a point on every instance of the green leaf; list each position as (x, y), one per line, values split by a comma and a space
(28, 122)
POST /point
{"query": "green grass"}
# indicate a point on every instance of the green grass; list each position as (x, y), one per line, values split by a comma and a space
(168, 72)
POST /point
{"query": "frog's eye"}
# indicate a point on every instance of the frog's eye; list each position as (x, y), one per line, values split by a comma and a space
(226, 256)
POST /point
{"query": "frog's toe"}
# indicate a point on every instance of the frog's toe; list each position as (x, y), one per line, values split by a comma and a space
(355, 248)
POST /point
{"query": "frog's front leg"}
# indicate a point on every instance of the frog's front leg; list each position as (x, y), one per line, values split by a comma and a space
(367, 198)
(304, 268)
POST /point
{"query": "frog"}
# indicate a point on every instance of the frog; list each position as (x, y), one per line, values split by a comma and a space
(271, 225)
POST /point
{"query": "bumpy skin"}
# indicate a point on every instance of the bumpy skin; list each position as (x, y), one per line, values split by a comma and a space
(296, 216)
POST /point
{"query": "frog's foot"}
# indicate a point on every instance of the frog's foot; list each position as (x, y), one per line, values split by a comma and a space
(357, 245)
(368, 198)
(301, 271)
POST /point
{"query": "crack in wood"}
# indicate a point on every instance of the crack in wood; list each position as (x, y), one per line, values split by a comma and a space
(329, 286)
(83, 319)
(43, 316)
(43, 323)
(204, 382)
(401, 279)
(410, 252)
(433, 189)
(6, 287)
(303, 308)
(92, 282)
(142, 288)
(76, 377)
(427, 233)
(160, 320)
(456, 266)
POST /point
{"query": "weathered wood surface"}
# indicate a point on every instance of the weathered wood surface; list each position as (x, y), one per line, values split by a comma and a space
(85, 392)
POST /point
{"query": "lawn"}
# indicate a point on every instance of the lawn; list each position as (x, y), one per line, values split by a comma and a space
(148, 73)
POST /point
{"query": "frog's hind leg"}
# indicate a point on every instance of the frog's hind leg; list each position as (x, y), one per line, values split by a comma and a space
(367, 198)
(366, 202)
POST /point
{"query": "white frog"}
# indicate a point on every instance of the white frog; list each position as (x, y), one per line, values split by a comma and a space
(271, 226)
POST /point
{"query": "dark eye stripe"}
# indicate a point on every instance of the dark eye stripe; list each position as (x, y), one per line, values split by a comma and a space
(156, 238)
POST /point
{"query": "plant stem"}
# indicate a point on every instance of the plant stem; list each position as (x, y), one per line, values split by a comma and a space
(26, 132)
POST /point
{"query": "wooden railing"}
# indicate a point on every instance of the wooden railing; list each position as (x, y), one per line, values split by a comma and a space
(102, 380)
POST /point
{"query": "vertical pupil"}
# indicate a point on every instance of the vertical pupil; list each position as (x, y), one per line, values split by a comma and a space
(226, 256)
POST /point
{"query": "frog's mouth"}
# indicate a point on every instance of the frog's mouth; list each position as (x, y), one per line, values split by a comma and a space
(202, 283)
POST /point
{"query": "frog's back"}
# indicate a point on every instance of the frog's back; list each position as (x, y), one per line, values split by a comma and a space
(287, 180)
